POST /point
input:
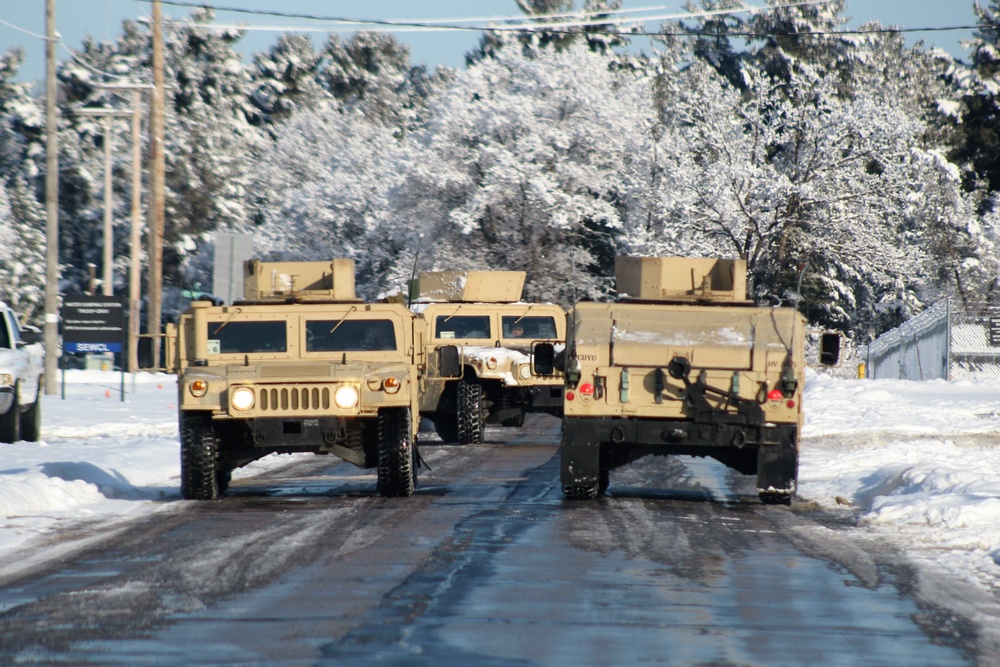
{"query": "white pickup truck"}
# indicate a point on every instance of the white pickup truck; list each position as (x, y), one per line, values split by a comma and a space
(22, 370)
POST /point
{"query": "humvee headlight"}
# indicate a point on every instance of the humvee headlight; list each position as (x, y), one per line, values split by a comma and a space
(491, 363)
(391, 385)
(346, 397)
(524, 371)
(242, 398)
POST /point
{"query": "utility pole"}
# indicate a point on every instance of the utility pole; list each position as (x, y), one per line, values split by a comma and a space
(108, 274)
(157, 186)
(107, 271)
(135, 259)
(134, 269)
(51, 204)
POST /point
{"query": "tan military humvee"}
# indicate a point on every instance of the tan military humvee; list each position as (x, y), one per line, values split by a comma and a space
(299, 365)
(480, 350)
(683, 364)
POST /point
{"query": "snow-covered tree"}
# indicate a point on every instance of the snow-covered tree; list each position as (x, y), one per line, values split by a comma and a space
(522, 166)
(321, 192)
(22, 251)
(286, 79)
(371, 73)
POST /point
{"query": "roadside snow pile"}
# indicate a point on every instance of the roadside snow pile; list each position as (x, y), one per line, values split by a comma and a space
(919, 460)
(94, 447)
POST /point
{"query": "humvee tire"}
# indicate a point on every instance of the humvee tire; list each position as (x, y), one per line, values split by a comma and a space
(396, 460)
(10, 423)
(470, 413)
(31, 420)
(581, 491)
(447, 428)
(199, 451)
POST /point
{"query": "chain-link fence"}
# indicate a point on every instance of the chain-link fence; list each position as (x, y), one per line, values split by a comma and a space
(943, 342)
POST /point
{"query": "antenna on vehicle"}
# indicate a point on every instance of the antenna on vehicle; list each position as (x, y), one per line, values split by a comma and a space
(413, 274)
(572, 274)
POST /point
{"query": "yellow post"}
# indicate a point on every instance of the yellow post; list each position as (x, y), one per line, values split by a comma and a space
(861, 371)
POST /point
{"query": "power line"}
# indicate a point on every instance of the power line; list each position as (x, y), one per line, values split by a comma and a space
(529, 22)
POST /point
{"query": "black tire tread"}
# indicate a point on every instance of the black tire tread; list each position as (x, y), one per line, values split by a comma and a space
(396, 453)
(581, 491)
(199, 454)
(470, 413)
(31, 420)
(10, 423)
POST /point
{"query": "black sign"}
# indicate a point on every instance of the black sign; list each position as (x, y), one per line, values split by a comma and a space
(995, 331)
(93, 323)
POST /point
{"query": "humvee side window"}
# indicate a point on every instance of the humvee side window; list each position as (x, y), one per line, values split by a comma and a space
(462, 326)
(350, 335)
(246, 337)
(534, 327)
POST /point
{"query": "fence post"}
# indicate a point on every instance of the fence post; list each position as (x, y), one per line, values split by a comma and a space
(947, 338)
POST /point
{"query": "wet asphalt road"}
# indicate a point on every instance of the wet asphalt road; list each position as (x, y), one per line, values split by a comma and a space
(485, 565)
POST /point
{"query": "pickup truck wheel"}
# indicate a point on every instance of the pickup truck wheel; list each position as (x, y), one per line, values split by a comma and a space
(10, 423)
(31, 420)
(199, 454)
(396, 453)
(470, 413)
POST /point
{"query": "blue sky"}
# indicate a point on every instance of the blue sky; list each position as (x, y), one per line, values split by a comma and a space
(101, 19)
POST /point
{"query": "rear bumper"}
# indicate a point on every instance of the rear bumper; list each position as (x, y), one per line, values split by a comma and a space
(592, 445)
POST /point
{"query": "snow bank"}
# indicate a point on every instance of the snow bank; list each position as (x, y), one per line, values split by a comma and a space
(920, 461)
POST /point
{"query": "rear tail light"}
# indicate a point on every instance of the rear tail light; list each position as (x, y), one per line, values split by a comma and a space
(587, 389)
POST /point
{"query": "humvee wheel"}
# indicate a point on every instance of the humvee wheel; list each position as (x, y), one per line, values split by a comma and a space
(10, 423)
(775, 498)
(470, 413)
(223, 477)
(31, 420)
(446, 428)
(506, 403)
(199, 451)
(396, 453)
(517, 421)
(581, 491)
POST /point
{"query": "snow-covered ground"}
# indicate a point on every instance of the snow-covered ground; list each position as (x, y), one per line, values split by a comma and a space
(919, 461)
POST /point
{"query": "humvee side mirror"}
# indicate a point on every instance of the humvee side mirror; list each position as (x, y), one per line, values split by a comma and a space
(829, 349)
(449, 362)
(543, 359)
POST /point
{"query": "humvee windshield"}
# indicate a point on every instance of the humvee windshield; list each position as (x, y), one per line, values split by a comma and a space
(246, 337)
(528, 327)
(462, 326)
(350, 335)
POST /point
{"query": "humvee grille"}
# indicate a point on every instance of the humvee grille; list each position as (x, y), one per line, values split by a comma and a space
(293, 399)
(294, 370)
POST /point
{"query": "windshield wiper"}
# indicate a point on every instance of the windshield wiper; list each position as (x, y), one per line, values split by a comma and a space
(341, 321)
(228, 320)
